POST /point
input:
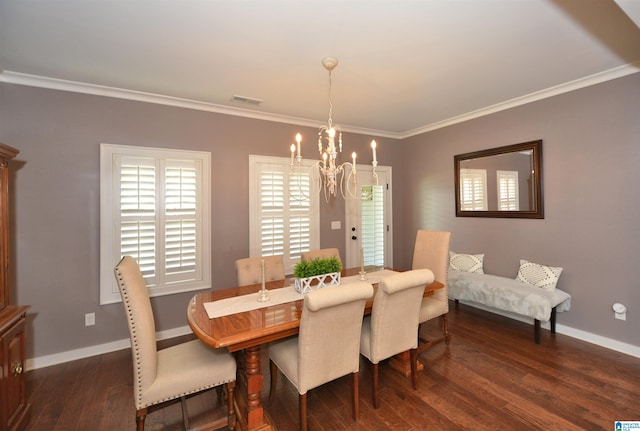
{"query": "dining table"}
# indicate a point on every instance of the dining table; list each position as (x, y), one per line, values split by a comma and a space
(234, 319)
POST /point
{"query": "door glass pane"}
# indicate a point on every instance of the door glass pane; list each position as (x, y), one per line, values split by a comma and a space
(372, 225)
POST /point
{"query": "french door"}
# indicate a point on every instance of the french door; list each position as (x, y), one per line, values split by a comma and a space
(369, 236)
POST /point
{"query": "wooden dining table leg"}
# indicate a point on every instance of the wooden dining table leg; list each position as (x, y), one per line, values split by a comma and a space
(402, 363)
(251, 414)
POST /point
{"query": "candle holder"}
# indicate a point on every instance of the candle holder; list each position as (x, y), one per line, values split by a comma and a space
(263, 294)
(362, 272)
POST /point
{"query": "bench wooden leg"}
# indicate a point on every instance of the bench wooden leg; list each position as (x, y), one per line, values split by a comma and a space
(536, 331)
(553, 320)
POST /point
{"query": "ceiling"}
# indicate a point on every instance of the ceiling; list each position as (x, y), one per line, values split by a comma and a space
(405, 67)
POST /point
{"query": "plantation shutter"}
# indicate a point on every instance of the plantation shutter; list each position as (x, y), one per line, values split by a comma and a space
(508, 196)
(155, 207)
(181, 219)
(153, 194)
(138, 213)
(372, 225)
(300, 217)
(473, 190)
(284, 212)
(272, 212)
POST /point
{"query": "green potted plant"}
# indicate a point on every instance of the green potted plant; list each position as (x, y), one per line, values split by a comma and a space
(317, 273)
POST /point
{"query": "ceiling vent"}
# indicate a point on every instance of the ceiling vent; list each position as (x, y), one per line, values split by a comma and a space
(246, 100)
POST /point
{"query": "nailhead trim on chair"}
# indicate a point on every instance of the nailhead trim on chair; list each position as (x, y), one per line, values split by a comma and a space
(125, 299)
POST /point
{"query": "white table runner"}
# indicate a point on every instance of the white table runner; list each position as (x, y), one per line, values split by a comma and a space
(239, 304)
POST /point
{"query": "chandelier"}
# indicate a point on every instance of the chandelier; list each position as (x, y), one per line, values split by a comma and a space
(330, 174)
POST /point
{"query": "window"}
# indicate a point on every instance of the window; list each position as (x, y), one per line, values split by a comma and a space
(473, 189)
(508, 195)
(154, 206)
(284, 210)
(372, 228)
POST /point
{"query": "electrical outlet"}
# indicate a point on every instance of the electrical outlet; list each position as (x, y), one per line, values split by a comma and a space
(620, 311)
(89, 319)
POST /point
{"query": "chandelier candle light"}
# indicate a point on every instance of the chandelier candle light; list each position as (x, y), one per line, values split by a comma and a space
(330, 173)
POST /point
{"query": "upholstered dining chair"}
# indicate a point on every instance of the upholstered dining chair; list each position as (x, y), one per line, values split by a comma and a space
(174, 372)
(431, 251)
(392, 327)
(327, 345)
(322, 253)
(249, 270)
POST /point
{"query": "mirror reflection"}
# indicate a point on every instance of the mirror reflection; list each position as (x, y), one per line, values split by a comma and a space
(500, 182)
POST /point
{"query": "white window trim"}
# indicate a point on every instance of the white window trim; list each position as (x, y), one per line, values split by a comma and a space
(109, 220)
(254, 225)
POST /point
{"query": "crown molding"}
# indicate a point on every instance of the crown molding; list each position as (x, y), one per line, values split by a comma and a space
(577, 84)
(100, 90)
(139, 96)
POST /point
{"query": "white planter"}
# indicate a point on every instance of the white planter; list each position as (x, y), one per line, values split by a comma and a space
(306, 285)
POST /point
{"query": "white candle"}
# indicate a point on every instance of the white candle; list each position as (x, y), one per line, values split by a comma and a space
(373, 147)
(293, 150)
(361, 259)
(353, 156)
(262, 267)
(298, 140)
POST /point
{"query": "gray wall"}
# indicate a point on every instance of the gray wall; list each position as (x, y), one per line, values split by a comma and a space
(56, 200)
(591, 168)
(590, 154)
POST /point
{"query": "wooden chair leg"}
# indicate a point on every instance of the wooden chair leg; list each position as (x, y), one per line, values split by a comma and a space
(220, 393)
(185, 414)
(375, 386)
(414, 368)
(356, 397)
(273, 372)
(231, 411)
(141, 415)
(445, 323)
(303, 412)
(425, 344)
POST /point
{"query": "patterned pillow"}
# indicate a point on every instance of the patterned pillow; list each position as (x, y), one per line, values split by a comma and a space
(466, 262)
(533, 274)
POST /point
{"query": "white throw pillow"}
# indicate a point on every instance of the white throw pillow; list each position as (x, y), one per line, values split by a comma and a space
(466, 262)
(533, 274)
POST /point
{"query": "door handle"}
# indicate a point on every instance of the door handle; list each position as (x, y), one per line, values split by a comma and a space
(16, 369)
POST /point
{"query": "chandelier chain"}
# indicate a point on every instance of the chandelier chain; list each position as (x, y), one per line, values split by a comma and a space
(330, 104)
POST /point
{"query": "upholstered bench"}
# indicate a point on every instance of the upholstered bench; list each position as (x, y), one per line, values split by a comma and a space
(509, 295)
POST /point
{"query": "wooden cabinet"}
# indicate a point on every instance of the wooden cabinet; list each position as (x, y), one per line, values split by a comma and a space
(13, 386)
(14, 410)
(6, 153)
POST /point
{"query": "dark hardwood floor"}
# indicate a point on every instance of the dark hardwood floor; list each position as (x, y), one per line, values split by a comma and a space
(491, 377)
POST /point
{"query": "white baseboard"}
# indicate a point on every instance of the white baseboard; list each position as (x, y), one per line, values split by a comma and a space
(85, 352)
(608, 343)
